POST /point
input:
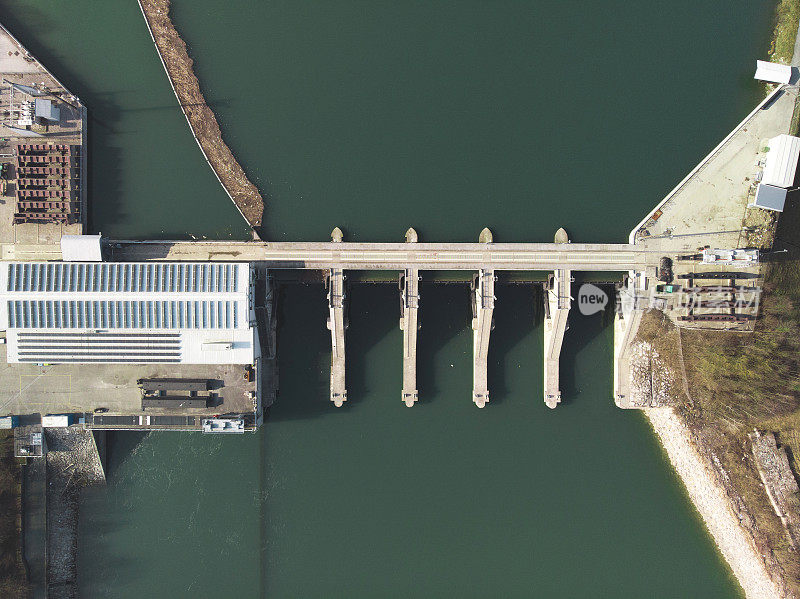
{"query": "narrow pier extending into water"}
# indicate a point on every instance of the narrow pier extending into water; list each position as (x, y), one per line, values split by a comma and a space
(409, 292)
(482, 323)
(409, 305)
(336, 324)
(558, 302)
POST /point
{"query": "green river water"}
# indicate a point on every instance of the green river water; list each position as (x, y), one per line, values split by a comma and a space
(377, 116)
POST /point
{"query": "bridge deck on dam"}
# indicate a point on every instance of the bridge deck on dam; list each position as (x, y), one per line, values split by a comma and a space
(395, 256)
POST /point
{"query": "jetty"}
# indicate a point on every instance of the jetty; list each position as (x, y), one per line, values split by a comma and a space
(203, 123)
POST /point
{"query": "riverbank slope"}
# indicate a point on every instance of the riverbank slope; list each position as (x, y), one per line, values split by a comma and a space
(179, 67)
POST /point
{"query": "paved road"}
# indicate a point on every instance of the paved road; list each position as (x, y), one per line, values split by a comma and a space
(396, 256)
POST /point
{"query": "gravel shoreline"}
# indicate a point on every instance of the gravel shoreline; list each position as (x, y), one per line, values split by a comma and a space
(202, 121)
(714, 505)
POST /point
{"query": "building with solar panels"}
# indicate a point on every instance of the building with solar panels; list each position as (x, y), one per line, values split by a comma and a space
(136, 313)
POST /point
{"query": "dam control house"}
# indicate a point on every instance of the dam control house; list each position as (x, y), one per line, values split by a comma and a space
(176, 343)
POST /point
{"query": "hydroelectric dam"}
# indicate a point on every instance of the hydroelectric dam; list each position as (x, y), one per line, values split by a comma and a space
(181, 335)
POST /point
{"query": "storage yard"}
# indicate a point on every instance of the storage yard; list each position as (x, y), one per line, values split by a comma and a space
(42, 152)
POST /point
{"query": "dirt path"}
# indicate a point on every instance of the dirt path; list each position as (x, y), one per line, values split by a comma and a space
(172, 51)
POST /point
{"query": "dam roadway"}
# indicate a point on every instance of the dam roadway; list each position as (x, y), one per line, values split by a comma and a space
(386, 256)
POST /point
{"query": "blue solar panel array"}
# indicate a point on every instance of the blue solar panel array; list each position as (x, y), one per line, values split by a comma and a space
(99, 314)
(137, 278)
(107, 312)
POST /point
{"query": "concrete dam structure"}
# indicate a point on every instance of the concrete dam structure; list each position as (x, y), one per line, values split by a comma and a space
(180, 335)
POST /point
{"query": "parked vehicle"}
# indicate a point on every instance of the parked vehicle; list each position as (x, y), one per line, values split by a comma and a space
(668, 288)
(665, 270)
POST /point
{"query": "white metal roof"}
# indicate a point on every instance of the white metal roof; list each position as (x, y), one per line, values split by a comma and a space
(223, 425)
(781, 161)
(773, 72)
(80, 312)
(55, 421)
(770, 197)
(81, 248)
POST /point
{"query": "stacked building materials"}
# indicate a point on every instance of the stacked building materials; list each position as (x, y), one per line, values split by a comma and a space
(48, 183)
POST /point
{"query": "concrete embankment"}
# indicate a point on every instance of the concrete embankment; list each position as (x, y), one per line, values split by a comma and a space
(709, 496)
(205, 128)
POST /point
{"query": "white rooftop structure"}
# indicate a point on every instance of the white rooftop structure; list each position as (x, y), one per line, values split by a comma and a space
(223, 425)
(55, 420)
(736, 257)
(80, 312)
(770, 197)
(781, 161)
(81, 248)
(25, 114)
(773, 72)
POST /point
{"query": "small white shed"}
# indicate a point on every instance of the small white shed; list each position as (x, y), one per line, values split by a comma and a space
(81, 248)
(773, 72)
(55, 421)
(781, 162)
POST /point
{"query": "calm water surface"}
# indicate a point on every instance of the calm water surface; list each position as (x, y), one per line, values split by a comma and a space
(376, 116)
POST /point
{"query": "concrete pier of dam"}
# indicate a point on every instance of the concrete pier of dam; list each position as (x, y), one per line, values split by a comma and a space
(482, 325)
(409, 308)
(558, 302)
(337, 326)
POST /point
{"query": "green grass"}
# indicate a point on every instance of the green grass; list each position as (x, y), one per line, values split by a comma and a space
(744, 379)
(787, 15)
(794, 126)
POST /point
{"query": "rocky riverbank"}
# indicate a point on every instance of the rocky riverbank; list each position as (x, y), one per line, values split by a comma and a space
(202, 121)
(72, 464)
(714, 460)
(725, 515)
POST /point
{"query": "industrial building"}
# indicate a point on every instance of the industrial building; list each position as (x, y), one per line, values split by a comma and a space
(778, 175)
(137, 313)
